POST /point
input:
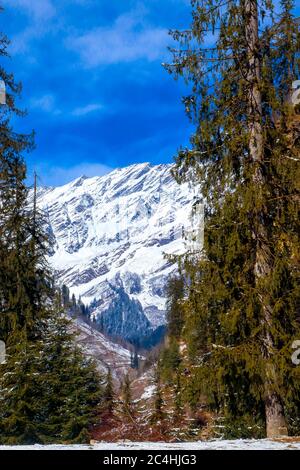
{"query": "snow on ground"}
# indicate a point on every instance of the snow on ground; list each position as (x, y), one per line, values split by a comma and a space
(149, 392)
(240, 444)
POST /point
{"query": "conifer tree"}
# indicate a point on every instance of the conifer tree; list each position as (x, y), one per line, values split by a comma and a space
(22, 250)
(48, 390)
(25, 281)
(74, 303)
(109, 394)
(170, 360)
(158, 414)
(240, 312)
(127, 403)
(65, 293)
(174, 292)
(135, 360)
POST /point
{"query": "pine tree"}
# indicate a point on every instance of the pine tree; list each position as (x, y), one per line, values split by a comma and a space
(25, 281)
(170, 360)
(109, 394)
(73, 301)
(174, 292)
(65, 293)
(22, 251)
(240, 313)
(48, 390)
(134, 360)
(158, 414)
(127, 403)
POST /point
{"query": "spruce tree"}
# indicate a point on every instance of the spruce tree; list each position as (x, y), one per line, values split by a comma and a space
(135, 360)
(170, 360)
(175, 292)
(22, 251)
(158, 414)
(65, 293)
(127, 403)
(109, 394)
(48, 390)
(25, 281)
(241, 308)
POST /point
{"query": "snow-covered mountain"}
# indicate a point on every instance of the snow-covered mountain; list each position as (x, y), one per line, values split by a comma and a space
(109, 237)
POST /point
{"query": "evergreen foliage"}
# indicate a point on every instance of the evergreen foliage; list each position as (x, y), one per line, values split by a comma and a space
(175, 293)
(109, 394)
(24, 276)
(127, 403)
(71, 305)
(48, 390)
(170, 360)
(134, 359)
(158, 414)
(240, 312)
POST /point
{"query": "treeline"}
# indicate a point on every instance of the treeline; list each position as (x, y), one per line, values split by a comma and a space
(233, 312)
(76, 308)
(70, 304)
(49, 392)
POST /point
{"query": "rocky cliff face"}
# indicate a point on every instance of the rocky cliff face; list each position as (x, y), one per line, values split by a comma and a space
(109, 237)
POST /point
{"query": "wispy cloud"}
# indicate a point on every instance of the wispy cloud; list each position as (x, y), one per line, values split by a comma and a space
(57, 176)
(46, 103)
(39, 9)
(89, 108)
(128, 39)
(40, 21)
(63, 87)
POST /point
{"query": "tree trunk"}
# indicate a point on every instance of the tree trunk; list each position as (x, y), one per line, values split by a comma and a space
(275, 419)
(274, 413)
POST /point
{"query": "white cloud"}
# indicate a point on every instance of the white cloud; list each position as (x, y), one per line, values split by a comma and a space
(89, 108)
(39, 9)
(128, 39)
(57, 176)
(45, 103)
(41, 15)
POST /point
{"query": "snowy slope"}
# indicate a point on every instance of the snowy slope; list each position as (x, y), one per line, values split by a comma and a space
(106, 354)
(109, 236)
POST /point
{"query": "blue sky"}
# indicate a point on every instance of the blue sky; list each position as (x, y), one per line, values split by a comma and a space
(96, 93)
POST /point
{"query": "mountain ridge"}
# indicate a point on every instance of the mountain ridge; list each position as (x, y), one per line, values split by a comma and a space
(109, 235)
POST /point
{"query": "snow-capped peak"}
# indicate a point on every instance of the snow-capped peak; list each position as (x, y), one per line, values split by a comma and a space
(110, 234)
